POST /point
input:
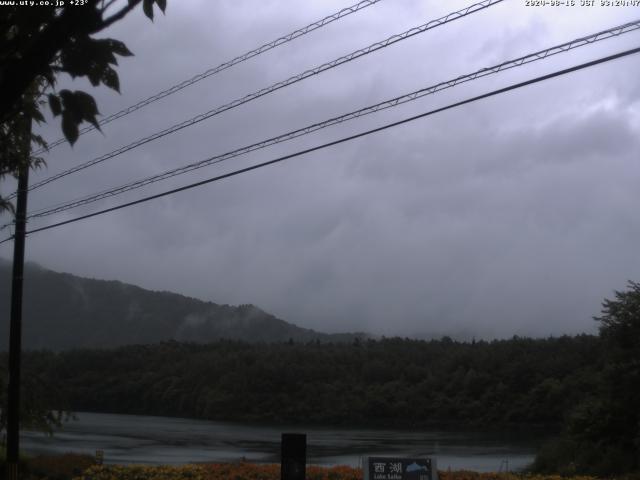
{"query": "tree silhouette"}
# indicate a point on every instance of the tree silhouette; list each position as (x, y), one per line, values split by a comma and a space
(39, 43)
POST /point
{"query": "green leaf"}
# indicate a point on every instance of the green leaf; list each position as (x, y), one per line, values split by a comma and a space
(77, 106)
(69, 127)
(118, 47)
(66, 96)
(147, 7)
(86, 103)
(102, 52)
(78, 56)
(69, 106)
(110, 79)
(54, 104)
(162, 4)
(39, 141)
(37, 116)
(94, 76)
(87, 107)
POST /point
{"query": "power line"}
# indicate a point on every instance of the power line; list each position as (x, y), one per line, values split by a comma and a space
(539, 55)
(223, 66)
(276, 86)
(344, 139)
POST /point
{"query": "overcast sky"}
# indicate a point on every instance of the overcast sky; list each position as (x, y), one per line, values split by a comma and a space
(513, 215)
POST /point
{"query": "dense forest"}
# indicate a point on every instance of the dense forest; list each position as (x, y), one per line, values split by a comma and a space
(584, 388)
(395, 382)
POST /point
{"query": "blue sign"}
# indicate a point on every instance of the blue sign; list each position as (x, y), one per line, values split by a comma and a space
(398, 468)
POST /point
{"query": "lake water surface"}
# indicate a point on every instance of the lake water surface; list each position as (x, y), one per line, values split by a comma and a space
(130, 439)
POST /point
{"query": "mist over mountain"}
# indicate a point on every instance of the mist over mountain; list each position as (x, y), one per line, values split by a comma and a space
(63, 311)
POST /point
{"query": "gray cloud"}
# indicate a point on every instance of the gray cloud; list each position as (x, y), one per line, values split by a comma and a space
(514, 215)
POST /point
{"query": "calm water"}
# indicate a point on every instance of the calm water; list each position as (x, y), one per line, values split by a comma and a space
(160, 440)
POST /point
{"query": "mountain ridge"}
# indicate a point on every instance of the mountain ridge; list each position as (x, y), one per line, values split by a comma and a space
(63, 311)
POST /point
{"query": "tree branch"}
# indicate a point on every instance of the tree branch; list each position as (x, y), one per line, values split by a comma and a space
(119, 15)
(104, 7)
(19, 73)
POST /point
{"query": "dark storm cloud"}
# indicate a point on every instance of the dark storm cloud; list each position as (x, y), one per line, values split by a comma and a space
(511, 215)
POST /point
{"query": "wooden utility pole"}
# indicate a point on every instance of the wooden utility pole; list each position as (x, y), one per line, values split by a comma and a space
(15, 327)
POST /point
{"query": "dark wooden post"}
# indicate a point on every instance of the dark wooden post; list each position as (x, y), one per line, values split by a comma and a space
(293, 462)
(15, 326)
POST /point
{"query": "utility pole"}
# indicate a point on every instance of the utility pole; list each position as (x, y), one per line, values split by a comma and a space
(15, 327)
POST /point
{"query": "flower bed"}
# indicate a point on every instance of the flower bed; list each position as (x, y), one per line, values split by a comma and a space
(249, 471)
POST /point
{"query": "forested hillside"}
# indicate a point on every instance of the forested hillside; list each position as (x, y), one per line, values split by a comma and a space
(63, 311)
(394, 382)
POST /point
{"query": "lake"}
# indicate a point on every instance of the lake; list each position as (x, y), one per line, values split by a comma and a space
(128, 439)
